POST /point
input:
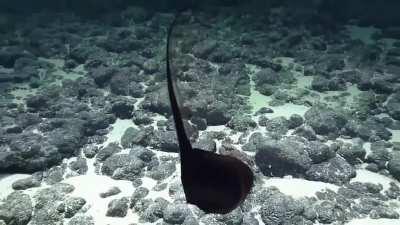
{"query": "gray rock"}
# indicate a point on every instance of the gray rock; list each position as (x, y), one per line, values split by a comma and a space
(176, 213)
(73, 205)
(157, 101)
(123, 166)
(17, 209)
(306, 131)
(329, 212)
(138, 194)
(162, 171)
(190, 220)
(324, 120)
(108, 151)
(384, 212)
(206, 142)
(81, 220)
(110, 192)
(278, 209)
(54, 175)
(203, 48)
(118, 207)
(155, 210)
(394, 165)
(337, 171)
(282, 157)
(295, 120)
(133, 136)
(165, 141)
(319, 152)
(393, 106)
(241, 123)
(142, 153)
(352, 153)
(29, 182)
(79, 166)
(278, 125)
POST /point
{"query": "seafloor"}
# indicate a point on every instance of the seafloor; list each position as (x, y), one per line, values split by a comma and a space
(87, 137)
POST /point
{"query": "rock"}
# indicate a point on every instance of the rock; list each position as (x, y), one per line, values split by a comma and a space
(10, 54)
(79, 166)
(206, 142)
(295, 120)
(54, 175)
(110, 192)
(368, 130)
(165, 141)
(393, 106)
(329, 212)
(29, 182)
(81, 220)
(123, 166)
(176, 213)
(157, 101)
(306, 131)
(142, 153)
(140, 117)
(264, 110)
(102, 75)
(267, 76)
(108, 151)
(280, 209)
(138, 194)
(322, 84)
(336, 171)
(277, 125)
(162, 171)
(319, 152)
(379, 154)
(384, 212)
(324, 120)
(17, 209)
(394, 165)
(122, 108)
(354, 154)
(155, 210)
(241, 123)
(190, 220)
(133, 136)
(282, 157)
(90, 151)
(203, 48)
(73, 205)
(118, 207)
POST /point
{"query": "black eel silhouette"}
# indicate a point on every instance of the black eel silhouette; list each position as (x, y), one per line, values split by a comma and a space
(215, 183)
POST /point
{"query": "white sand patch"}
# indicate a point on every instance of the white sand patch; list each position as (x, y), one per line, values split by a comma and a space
(89, 187)
(299, 188)
(364, 175)
(362, 33)
(369, 221)
(61, 74)
(217, 128)
(6, 181)
(118, 129)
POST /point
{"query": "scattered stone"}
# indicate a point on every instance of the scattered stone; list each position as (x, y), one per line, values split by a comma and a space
(118, 207)
(110, 192)
(337, 171)
(17, 209)
(73, 205)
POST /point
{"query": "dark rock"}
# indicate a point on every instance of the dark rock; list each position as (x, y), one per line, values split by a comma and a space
(122, 108)
(110, 192)
(393, 106)
(102, 75)
(282, 157)
(201, 123)
(157, 101)
(165, 141)
(264, 110)
(384, 212)
(133, 136)
(379, 154)
(79, 166)
(306, 131)
(336, 171)
(108, 151)
(73, 205)
(176, 213)
(203, 48)
(319, 152)
(324, 120)
(394, 165)
(295, 120)
(118, 207)
(9, 54)
(123, 166)
(17, 209)
(54, 175)
(354, 154)
(142, 153)
(140, 117)
(90, 151)
(323, 84)
(278, 209)
(241, 123)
